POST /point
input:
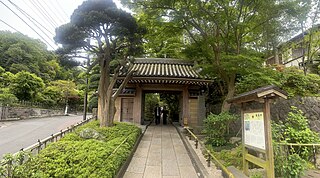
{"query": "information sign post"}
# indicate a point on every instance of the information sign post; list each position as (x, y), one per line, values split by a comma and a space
(256, 127)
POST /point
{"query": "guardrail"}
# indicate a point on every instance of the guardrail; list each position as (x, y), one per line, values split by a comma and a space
(41, 144)
(209, 154)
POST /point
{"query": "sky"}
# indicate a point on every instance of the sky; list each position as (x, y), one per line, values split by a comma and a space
(43, 16)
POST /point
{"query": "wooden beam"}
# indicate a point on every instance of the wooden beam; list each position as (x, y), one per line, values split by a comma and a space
(258, 161)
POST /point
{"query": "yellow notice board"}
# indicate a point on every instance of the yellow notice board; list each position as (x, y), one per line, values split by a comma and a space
(254, 130)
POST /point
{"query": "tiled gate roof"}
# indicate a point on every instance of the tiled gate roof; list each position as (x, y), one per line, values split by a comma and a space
(164, 70)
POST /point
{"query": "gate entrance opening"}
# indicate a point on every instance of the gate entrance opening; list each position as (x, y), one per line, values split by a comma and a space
(170, 103)
(176, 84)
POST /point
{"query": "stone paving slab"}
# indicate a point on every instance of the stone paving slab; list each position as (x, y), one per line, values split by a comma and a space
(161, 154)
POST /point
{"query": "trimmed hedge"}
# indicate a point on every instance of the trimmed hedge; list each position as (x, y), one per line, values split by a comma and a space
(76, 155)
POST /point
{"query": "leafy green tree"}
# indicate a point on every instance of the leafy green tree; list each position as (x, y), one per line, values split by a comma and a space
(6, 78)
(19, 52)
(290, 79)
(60, 91)
(2, 70)
(226, 37)
(112, 35)
(26, 85)
(261, 78)
(163, 39)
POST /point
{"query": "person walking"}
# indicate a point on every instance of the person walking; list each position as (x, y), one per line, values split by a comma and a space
(165, 113)
(157, 114)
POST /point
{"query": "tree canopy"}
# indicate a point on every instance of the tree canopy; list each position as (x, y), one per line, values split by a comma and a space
(112, 36)
(227, 38)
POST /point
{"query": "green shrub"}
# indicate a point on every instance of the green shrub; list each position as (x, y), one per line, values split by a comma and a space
(216, 128)
(289, 166)
(76, 156)
(295, 129)
(298, 84)
(291, 161)
(228, 157)
(291, 80)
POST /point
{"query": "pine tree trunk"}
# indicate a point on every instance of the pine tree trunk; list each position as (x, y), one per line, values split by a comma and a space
(102, 94)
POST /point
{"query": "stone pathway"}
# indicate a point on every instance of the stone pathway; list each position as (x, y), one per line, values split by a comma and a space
(311, 174)
(161, 154)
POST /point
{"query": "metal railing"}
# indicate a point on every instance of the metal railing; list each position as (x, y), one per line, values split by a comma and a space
(210, 156)
(40, 145)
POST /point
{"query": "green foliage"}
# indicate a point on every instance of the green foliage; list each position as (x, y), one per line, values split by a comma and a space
(263, 77)
(151, 100)
(93, 102)
(60, 91)
(226, 38)
(289, 166)
(296, 83)
(6, 96)
(228, 157)
(10, 164)
(163, 39)
(216, 128)
(19, 52)
(109, 33)
(26, 85)
(291, 161)
(6, 78)
(256, 175)
(76, 156)
(171, 101)
(295, 129)
(289, 79)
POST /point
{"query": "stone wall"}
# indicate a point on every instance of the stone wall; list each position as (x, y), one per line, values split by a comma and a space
(310, 106)
(16, 113)
(280, 108)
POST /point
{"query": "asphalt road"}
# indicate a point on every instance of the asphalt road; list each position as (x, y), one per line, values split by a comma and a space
(15, 135)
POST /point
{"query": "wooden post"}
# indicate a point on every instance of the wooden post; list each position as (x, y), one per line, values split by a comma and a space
(185, 100)
(268, 136)
(245, 163)
(262, 120)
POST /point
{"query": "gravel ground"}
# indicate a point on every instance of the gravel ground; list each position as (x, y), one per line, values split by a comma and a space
(213, 171)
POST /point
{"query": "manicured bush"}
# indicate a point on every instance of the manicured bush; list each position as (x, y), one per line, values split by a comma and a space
(78, 156)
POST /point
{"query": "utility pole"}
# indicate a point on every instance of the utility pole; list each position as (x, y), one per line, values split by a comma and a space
(85, 101)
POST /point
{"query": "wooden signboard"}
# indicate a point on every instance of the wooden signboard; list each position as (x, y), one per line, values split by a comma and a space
(256, 127)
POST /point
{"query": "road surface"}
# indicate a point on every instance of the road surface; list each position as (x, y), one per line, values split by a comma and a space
(15, 135)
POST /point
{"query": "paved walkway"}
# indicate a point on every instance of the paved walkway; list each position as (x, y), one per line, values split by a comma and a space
(161, 154)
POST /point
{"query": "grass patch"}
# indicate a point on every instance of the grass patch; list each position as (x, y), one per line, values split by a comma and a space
(87, 152)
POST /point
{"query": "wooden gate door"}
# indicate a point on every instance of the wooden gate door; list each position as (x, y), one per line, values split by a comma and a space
(127, 109)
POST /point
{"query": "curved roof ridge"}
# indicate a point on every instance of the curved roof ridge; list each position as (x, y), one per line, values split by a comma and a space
(162, 61)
